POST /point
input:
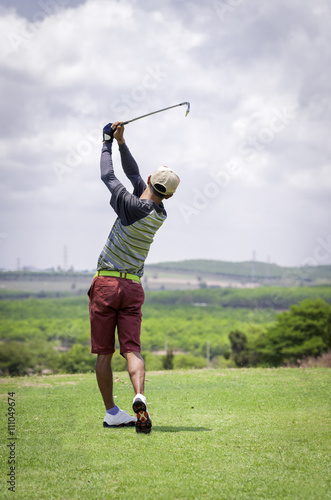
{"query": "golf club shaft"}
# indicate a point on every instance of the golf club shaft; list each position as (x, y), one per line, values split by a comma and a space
(159, 111)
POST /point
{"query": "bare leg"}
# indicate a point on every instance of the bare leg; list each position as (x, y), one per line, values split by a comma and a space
(104, 375)
(136, 369)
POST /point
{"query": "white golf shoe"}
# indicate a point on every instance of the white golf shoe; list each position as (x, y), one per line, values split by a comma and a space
(121, 419)
(139, 405)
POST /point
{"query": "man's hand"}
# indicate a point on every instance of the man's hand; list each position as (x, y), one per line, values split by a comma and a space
(119, 131)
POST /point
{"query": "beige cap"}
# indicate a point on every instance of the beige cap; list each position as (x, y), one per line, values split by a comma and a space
(165, 181)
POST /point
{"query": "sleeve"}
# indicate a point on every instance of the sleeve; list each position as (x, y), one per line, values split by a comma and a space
(127, 206)
(131, 169)
(106, 167)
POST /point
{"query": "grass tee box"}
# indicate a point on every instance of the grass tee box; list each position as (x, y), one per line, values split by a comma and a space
(217, 434)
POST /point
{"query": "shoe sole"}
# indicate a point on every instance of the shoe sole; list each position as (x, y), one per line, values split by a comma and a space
(144, 423)
(129, 424)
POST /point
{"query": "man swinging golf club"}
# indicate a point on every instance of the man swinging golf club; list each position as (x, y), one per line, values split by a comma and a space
(116, 295)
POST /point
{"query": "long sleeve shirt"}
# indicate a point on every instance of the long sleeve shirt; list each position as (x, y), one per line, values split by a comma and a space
(133, 232)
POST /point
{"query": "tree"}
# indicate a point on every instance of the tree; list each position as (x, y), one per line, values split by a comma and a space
(168, 360)
(240, 353)
(305, 330)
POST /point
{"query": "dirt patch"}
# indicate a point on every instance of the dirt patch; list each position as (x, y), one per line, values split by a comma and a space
(323, 361)
(45, 384)
(34, 384)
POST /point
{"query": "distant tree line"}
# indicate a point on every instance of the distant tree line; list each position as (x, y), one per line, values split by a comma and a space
(53, 335)
(256, 298)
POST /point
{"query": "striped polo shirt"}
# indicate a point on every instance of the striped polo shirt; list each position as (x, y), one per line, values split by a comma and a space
(127, 245)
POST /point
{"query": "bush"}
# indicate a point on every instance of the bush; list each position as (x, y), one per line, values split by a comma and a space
(152, 362)
(78, 360)
(118, 363)
(18, 358)
(222, 362)
(189, 361)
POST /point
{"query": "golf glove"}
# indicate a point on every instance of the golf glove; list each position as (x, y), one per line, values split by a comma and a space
(108, 133)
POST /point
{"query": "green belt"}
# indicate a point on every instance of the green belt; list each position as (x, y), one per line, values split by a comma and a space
(118, 274)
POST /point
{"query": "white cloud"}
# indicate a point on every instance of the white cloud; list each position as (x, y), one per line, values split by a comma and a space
(258, 82)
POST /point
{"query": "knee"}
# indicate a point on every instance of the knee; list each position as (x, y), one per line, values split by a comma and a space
(104, 359)
(133, 355)
(135, 360)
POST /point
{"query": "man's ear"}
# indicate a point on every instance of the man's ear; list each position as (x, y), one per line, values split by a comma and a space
(168, 196)
(149, 180)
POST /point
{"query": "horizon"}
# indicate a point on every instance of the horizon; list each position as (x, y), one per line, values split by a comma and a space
(59, 269)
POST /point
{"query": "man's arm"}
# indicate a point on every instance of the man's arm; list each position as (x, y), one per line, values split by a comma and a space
(129, 164)
(127, 206)
(106, 167)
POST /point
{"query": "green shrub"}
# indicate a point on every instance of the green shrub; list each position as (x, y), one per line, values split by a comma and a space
(78, 360)
(152, 362)
(189, 361)
(23, 358)
(222, 362)
(118, 363)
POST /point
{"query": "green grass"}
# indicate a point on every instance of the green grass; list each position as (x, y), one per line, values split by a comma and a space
(217, 434)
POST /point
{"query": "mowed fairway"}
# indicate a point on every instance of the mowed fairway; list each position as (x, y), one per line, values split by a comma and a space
(217, 434)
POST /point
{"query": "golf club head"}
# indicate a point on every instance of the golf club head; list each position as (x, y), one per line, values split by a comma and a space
(188, 108)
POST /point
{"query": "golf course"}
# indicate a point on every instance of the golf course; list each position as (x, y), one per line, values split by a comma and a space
(217, 434)
(165, 250)
(220, 430)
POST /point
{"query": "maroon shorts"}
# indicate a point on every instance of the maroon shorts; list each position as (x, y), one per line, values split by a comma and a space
(115, 302)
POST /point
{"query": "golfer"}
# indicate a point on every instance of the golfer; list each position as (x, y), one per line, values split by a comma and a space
(116, 294)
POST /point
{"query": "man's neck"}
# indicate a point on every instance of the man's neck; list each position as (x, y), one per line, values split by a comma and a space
(149, 195)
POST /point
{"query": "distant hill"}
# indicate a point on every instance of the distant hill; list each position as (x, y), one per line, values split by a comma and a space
(253, 271)
(181, 275)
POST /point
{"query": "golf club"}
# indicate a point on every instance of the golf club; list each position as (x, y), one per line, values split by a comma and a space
(159, 111)
(108, 132)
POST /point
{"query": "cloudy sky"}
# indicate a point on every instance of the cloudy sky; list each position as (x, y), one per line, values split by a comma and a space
(254, 154)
